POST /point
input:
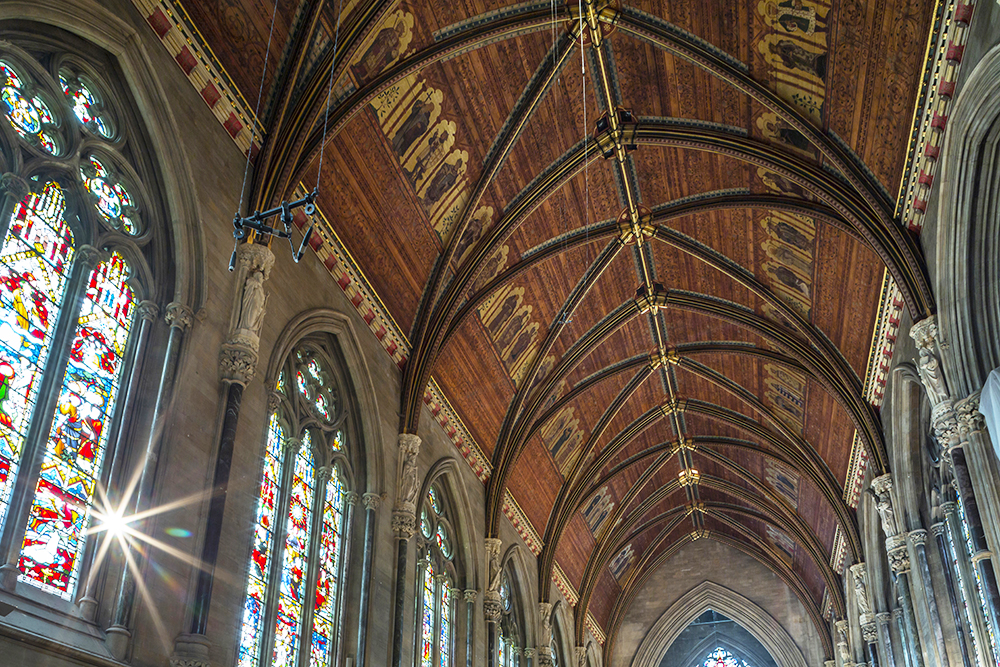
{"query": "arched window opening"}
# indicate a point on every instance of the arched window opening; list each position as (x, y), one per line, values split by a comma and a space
(511, 638)
(297, 564)
(72, 261)
(437, 573)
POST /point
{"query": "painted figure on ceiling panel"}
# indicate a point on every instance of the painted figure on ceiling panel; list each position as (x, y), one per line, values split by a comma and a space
(598, 509)
(481, 220)
(389, 44)
(784, 480)
(796, 52)
(499, 309)
(622, 562)
(491, 269)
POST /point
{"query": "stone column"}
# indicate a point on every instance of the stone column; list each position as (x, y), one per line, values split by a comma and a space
(953, 429)
(885, 637)
(179, 317)
(544, 641)
(492, 606)
(404, 521)
(917, 540)
(938, 531)
(470, 629)
(33, 451)
(865, 616)
(237, 364)
(371, 502)
(897, 618)
(899, 561)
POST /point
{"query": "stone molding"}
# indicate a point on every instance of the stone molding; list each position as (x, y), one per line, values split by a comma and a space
(709, 595)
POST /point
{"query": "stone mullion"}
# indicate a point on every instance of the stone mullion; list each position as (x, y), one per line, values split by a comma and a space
(439, 582)
(33, 450)
(938, 530)
(278, 534)
(967, 581)
(312, 569)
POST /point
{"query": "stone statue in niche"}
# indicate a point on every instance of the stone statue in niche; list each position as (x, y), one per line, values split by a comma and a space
(930, 373)
(880, 489)
(860, 589)
(408, 484)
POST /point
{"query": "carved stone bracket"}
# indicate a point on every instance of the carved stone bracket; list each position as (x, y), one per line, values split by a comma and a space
(492, 609)
(190, 651)
(273, 402)
(869, 631)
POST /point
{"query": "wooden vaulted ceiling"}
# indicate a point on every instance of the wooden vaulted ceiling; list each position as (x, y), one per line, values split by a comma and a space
(614, 300)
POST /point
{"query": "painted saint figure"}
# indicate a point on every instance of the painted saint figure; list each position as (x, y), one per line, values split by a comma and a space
(794, 16)
(794, 56)
(443, 181)
(413, 127)
(383, 50)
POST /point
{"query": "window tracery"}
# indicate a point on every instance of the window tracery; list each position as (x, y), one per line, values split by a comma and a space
(53, 278)
(297, 562)
(437, 572)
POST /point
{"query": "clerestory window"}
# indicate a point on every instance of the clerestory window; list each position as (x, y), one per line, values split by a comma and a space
(296, 566)
(76, 221)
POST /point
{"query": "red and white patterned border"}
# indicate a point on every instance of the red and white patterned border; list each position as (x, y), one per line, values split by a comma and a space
(172, 25)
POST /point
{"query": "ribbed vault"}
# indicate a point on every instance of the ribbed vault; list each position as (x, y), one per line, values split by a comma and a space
(697, 289)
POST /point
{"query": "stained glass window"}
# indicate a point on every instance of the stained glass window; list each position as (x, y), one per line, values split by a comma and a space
(295, 561)
(720, 657)
(248, 653)
(110, 196)
(85, 104)
(432, 496)
(300, 621)
(501, 650)
(970, 548)
(34, 265)
(329, 560)
(27, 114)
(427, 620)
(54, 539)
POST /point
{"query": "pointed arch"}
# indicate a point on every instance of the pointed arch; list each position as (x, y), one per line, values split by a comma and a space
(709, 595)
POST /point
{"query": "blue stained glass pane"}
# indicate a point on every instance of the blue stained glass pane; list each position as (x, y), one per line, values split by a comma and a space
(427, 620)
(295, 561)
(34, 265)
(54, 539)
(260, 557)
(329, 562)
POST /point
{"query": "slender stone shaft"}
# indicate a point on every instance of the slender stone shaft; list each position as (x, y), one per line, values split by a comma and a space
(371, 502)
(938, 530)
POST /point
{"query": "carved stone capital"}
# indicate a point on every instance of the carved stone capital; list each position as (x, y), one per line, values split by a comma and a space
(970, 420)
(899, 557)
(949, 507)
(351, 498)
(470, 595)
(945, 423)
(147, 310)
(292, 445)
(830, 663)
(869, 631)
(90, 256)
(529, 653)
(190, 651)
(544, 655)
(938, 529)
(897, 614)
(237, 364)
(255, 257)
(917, 538)
(403, 524)
(14, 185)
(371, 501)
(492, 609)
(883, 618)
(178, 315)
